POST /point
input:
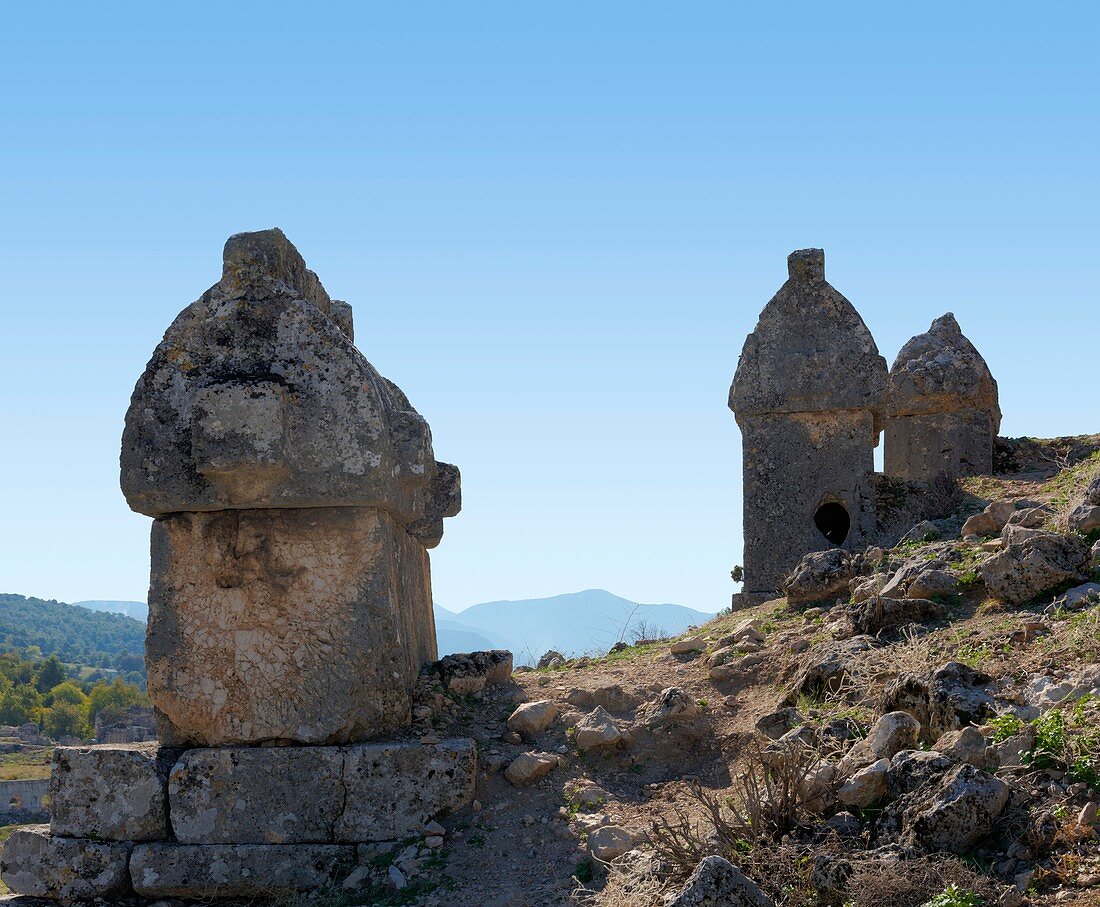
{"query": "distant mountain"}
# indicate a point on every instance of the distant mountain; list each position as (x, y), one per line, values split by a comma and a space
(136, 610)
(75, 635)
(455, 636)
(573, 624)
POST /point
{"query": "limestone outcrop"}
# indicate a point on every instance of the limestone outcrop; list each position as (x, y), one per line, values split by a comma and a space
(943, 409)
(809, 396)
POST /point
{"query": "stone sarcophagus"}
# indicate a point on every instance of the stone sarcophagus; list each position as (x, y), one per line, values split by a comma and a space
(295, 492)
(809, 397)
(943, 410)
(295, 496)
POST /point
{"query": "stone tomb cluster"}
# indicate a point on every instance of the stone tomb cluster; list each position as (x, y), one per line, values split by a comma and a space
(294, 495)
(812, 395)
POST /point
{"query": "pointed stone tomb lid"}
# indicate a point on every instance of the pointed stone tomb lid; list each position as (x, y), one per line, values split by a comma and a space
(257, 398)
(941, 371)
(810, 352)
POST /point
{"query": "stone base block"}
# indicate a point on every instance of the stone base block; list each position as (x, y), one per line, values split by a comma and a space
(114, 793)
(38, 864)
(301, 625)
(317, 795)
(238, 870)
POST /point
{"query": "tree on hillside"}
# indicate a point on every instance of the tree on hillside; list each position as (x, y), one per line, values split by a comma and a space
(64, 719)
(50, 673)
(110, 701)
(18, 705)
(68, 693)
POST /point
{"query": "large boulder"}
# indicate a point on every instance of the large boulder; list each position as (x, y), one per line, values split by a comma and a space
(1033, 562)
(877, 614)
(952, 696)
(718, 883)
(961, 812)
(820, 575)
(826, 670)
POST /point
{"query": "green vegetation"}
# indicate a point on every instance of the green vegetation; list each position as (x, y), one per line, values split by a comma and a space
(1005, 727)
(953, 896)
(45, 692)
(77, 636)
(28, 765)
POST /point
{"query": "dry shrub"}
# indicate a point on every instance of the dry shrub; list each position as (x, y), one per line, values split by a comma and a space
(629, 883)
(764, 804)
(912, 883)
(901, 505)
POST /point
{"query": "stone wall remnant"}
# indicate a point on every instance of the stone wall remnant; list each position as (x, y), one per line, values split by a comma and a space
(809, 396)
(943, 412)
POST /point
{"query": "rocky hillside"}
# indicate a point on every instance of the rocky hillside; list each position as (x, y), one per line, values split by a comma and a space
(912, 725)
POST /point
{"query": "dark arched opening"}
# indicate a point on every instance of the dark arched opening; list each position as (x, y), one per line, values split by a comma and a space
(833, 522)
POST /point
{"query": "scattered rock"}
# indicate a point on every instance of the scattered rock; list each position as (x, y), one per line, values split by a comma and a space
(527, 768)
(532, 718)
(597, 730)
(1032, 564)
(551, 659)
(718, 883)
(611, 697)
(589, 797)
(991, 520)
(672, 706)
(1029, 518)
(865, 787)
(775, 724)
(964, 745)
(746, 631)
(820, 575)
(610, 841)
(879, 614)
(932, 584)
(924, 531)
(688, 645)
(1078, 597)
(828, 668)
(954, 696)
(892, 733)
(473, 672)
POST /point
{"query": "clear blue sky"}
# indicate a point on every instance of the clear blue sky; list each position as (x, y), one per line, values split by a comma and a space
(556, 223)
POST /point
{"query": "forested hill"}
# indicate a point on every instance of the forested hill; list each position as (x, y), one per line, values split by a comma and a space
(75, 635)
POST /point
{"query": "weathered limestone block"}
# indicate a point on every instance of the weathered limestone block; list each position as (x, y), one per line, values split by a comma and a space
(307, 625)
(256, 398)
(111, 792)
(238, 870)
(258, 795)
(317, 795)
(393, 788)
(943, 410)
(39, 864)
(809, 397)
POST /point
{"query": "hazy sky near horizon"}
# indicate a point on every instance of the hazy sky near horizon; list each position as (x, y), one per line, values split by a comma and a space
(556, 224)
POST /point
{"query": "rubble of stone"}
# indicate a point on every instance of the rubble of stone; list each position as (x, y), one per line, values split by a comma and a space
(943, 410)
